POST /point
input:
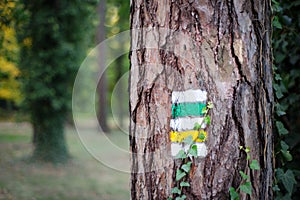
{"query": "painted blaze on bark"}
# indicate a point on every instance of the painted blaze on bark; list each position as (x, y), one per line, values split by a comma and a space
(222, 47)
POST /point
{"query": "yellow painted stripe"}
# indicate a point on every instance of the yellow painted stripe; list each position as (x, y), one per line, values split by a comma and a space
(180, 136)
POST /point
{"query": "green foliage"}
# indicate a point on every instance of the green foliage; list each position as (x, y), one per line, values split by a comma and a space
(193, 151)
(179, 174)
(287, 178)
(186, 167)
(286, 50)
(59, 34)
(181, 155)
(244, 176)
(176, 190)
(233, 194)
(254, 165)
(184, 184)
(245, 185)
(9, 72)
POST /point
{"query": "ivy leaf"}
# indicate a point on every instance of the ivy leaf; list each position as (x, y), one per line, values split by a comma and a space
(276, 188)
(184, 184)
(246, 187)
(247, 150)
(287, 179)
(181, 198)
(254, 165)
(276, 23)
(186, 167)
(287, 155)
(280, 109)
(277, 77)
(281, 129)
(233, 194)
(179, 174)
(202, 134)
(176, 190)
(193, 151)
(181, 155)
(188, 140)
(244, 176)
(204, 110)
(207, 120)
(169, 198)
(284, 145)
(210, 105)
(278, 91)
(197, 126)
(248, 157)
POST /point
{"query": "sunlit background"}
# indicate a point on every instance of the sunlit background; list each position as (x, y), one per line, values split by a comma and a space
(43, 44)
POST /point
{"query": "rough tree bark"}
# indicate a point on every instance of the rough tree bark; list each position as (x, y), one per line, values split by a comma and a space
(224, 48)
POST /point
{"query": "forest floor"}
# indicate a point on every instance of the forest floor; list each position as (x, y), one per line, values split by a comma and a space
(85, 177)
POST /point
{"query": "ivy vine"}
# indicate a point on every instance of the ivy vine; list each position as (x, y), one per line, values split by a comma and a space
(189, 155)
(245, 186)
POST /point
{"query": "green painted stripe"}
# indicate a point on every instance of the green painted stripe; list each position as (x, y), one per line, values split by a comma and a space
(187, 109)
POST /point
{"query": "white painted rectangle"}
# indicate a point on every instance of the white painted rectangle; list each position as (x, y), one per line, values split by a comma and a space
(175, 148)
(189, 96)
(201, 148)
(186, 123)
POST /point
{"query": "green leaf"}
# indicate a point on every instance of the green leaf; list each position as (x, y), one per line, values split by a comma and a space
(193, 151)
(247, 150)
(244, 176)
(170, 198)
(179, 174)
(197, 126)
(284, 145)
(188, 140)
(241, 147)
(278, 91)
(176, 190)
(276, 23)
(186, 167)
(276, 188)
(287, 179)
(248, 157)
(246, 187)
(184, 184)
(254, 165)
(201, 135)
(280, 109)
(287, 155)
(207, 120)
(281, 129)
(284, 151)
(210, 105)
(233, 194)
(204, 110)
(277, 77)
(181, 198)
(181, 155)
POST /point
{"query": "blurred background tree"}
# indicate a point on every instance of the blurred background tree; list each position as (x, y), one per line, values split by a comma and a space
(54, 36)
(10, 95)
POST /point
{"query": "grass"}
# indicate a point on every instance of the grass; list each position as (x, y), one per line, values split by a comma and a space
(84, 177)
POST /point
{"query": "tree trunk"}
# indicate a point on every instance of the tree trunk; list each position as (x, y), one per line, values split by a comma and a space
(102, 85)
(222, 48)
(121, 111)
